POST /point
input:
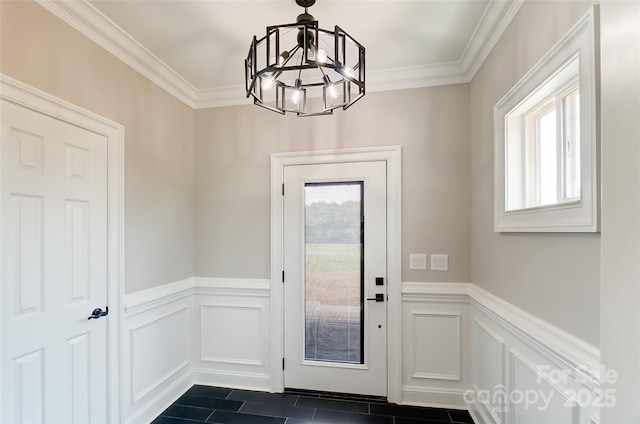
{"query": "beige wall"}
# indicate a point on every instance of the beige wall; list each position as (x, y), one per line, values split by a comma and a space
(42, 51)
(233, 147)
(553, 276)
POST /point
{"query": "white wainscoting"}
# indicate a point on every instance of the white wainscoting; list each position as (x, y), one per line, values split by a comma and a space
(232, 319)
(466, 348)
(461, 347)
(209, 331)
(524, 370)
(157, 344)
(435, 344)
(488, 366)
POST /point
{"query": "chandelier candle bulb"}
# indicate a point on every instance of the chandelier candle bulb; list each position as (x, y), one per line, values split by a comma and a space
(331, 90)
(282, 58)
(298, 69)
(348, 71)
(321, 56)
(267, 82)
(296, 95)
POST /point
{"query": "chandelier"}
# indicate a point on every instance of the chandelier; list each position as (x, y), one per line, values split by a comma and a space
(304, 69)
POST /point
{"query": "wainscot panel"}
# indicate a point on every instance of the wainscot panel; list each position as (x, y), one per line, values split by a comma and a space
(435, 344)
(542, 400)
(488, 364)
(232, 319)
(158, 347)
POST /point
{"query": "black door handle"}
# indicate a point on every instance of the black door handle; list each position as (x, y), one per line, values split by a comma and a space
(379, 297)
(97, 313)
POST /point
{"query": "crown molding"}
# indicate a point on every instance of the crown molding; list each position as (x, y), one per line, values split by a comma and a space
(416, 77)
(92, 23)
(495, 20)
(220, 97)
(89, 21)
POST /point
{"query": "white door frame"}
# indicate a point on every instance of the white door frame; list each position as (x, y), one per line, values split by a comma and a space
(32, 98)
(390, 154)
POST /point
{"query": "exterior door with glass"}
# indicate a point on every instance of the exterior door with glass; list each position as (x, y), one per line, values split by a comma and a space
(335, 277)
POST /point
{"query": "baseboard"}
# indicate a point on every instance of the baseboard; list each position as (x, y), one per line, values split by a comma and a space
(481, 412)
(480, 416)
(435, 397)
(151, 409)
(232, 379)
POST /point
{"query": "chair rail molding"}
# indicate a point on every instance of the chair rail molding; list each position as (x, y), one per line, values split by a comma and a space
(569, 349)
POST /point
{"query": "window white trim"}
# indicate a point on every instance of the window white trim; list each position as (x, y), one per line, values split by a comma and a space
(390, 154)
(579, 215)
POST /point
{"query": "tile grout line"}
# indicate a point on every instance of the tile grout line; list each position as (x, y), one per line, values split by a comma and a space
(205, 420)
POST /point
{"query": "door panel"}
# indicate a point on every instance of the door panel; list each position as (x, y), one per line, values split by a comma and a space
(334, 248)
(54, 269)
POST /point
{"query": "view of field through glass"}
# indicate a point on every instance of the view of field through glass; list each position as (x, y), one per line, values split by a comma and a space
(333, 272)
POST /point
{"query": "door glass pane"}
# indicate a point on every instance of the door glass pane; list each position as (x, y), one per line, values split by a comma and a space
(334, 272)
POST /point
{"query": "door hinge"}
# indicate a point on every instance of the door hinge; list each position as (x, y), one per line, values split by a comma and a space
(283, 276)
(283, 364)
(283, 189)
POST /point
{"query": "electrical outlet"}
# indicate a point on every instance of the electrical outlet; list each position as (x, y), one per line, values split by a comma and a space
(417, 261)
(439, 262)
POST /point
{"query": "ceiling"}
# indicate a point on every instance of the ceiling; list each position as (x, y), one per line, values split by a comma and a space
(195, 49)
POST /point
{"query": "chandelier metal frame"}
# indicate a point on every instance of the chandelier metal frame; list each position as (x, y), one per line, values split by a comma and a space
(320, 71)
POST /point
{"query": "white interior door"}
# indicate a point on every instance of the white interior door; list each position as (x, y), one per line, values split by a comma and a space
(53, 363)
(334, 260)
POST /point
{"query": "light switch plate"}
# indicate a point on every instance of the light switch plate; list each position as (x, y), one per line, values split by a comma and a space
(439, 262)
(417, 261)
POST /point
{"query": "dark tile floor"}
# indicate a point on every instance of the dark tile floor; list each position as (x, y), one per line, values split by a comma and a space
(229, 406)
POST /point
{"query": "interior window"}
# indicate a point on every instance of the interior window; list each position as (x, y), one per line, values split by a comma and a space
(546, 176)
(542, 141)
